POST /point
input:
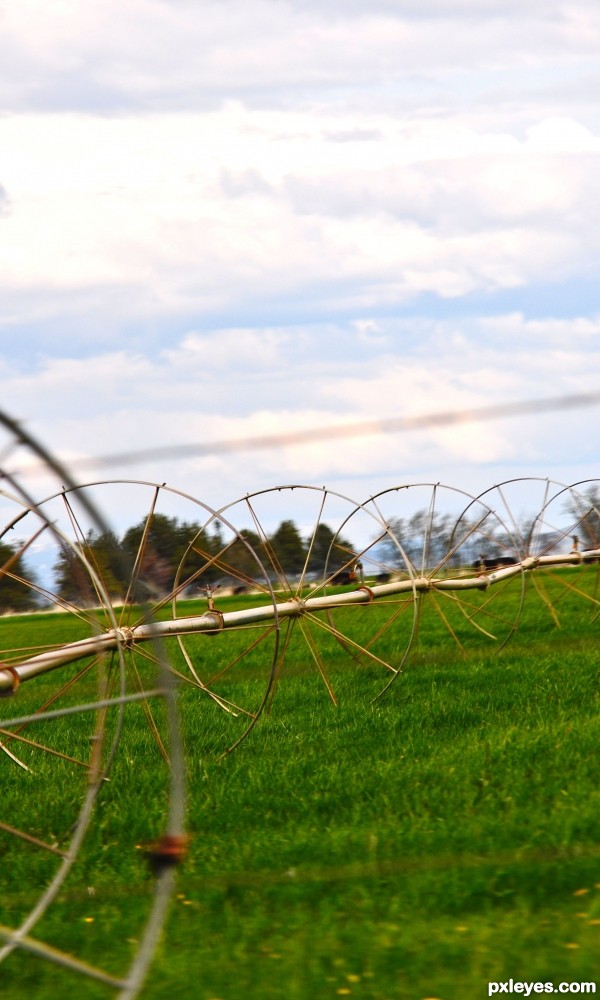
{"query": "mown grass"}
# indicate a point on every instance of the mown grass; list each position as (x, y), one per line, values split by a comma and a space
(417, 846)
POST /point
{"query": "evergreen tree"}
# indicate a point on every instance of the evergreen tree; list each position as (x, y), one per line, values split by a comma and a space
(196, 553)
(288, 548)
(75, 583)
(325, 554)
(15, 594)
(238, 560)
(155, 548)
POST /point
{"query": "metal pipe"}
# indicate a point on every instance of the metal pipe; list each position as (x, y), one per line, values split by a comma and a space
(214, 621)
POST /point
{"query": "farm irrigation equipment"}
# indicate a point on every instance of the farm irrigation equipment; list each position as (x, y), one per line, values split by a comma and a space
(263, 599)
(276, 595)
(364, 578)
(240, 601)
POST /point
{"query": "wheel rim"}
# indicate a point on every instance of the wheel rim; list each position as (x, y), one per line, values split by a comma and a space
(303, 551)
(66, 722)
(568, 523)
(430, 542)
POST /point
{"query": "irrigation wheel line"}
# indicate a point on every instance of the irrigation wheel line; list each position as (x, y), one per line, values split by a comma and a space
(569, 518)
(431, 546)
(234, 674)
(425, 564)
(556, 537)
(60, 739)
(326, 607)
(235, 655)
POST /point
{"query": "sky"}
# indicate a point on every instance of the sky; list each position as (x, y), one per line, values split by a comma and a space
(252, 217)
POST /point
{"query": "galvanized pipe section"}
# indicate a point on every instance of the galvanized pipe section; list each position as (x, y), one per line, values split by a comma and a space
(214, 621)
(44, 662)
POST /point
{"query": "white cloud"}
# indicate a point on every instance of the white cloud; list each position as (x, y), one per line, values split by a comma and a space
(232, 219)
(157, 210)
(241, 350)
(177, 53)
(205, 390)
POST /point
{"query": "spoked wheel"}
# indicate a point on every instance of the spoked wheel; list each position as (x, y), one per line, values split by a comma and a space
(173, 572)
(564, 541)
(69, 727)
(556, 534)
(216, 612)
(437, 559)
(377, 634)
(312, 570)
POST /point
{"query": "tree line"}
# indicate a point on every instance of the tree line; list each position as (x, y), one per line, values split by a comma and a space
(443, 535)
(151, 552)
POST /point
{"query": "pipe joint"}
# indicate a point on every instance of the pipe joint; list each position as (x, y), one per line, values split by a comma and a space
(15, 681)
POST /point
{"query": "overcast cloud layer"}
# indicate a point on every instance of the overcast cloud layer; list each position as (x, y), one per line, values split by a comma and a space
(251, 216)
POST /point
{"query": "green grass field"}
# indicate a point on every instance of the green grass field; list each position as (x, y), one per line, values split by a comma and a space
(414, 847)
